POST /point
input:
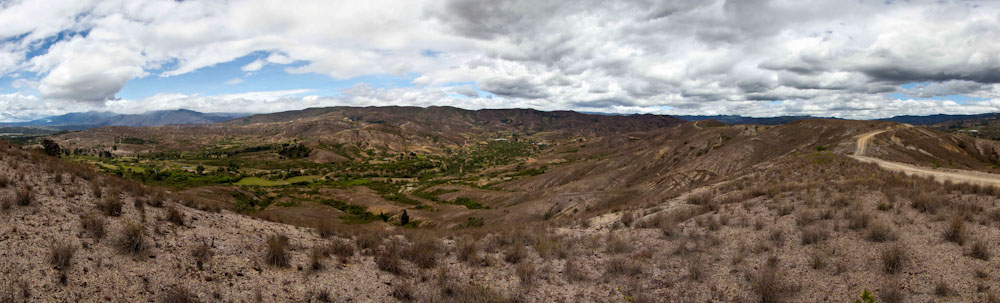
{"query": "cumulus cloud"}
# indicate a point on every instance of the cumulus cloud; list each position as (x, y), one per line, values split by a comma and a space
(827, 57)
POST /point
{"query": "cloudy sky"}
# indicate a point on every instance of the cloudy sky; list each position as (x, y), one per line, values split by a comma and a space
(852, 59)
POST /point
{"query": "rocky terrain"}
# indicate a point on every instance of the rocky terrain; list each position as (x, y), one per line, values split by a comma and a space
(634, 209)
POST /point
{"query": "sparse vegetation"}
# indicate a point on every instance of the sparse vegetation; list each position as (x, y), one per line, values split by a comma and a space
(93, 224)
(61, 255)
(892, 258)
(277, 251)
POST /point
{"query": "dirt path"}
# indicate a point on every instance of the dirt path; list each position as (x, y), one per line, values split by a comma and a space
(955, 175)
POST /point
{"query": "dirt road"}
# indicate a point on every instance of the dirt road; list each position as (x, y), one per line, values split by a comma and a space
(955, 175)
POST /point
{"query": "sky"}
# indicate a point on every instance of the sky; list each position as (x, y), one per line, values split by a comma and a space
(834, 58)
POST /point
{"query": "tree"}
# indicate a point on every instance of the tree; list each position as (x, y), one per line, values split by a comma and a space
(404, 219)
(51, 147)
(200, 169)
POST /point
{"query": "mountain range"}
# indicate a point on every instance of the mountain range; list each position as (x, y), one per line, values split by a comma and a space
(92, 119)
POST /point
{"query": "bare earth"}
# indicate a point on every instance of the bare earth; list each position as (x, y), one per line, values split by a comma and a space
(954, 175)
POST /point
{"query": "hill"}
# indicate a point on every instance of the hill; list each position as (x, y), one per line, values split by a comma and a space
(504, 206)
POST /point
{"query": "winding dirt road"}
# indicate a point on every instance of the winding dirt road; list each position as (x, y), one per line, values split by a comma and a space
(955, 175)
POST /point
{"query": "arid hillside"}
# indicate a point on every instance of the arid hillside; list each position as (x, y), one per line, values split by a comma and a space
(699, 211)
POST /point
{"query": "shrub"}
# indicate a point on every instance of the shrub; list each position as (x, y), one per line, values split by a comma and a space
(857, 218)
(423, 252)
(617, 245)
(388, 259)
(316, 256)
(175, 216)
(817, 259)
(132, 241)
(467, 249)
(980, 250)
(403, 291)
(926, 203)
(573, 271)
(955, 231)
(277, 251)
(526, 272)
(111, 205)
(93, 224)
(893, 258)
(515, 254)
(326, 229)
(178, 294)
(621, 266)
(767, 283)
(881, 232)
(941, 289)
(202, 253)
(813, 234)
(95, 188)
(61, 255)
(891, 292)
(342, 249)
(24, 196)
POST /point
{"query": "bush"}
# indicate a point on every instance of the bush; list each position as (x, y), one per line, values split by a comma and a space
(767, 283)
(955, 231)
(403, 291)
(24, 196)
(388, 259)
(467, 249)
(980, 250)
(175, 216)
(881, 232)
(61, 255)
(941, 289)
(179, 294)
(132, 241)
(326, 229)
(316, 256)
(202, 253)
(891, 293)
(277, 251)
(893, 258)
(423, 252)
(516, 253)
(526, 272)
(111, 205)
(573, 271)
(813, 234)
(617, 245)
(342, 249)
(621, 266)
(93, 224)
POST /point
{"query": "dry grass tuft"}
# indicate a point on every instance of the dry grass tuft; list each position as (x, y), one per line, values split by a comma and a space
(621, 266)
(24, 196)
(880, 231)
(110, 205)
(767, 283)
(61, 255)
(573, 271)
(893, 258)
(93, 224)
(526, 272)
(941, 289)
(178, 294)
(133, 240)
(277, 251)
(813, 234)
(955, 231)
(175, 216)
(326, 229)
(388, 259)
(423, 252)
(202, 253)
(891, 292)
(980, 250)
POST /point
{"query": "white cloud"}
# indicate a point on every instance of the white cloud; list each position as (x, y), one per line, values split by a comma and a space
(234, 81)
(826, 57)
(256, 65)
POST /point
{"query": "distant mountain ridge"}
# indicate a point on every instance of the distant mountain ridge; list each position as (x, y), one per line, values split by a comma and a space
(85, 120)
(737, 120)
